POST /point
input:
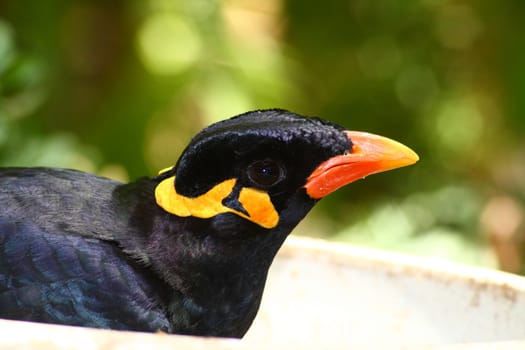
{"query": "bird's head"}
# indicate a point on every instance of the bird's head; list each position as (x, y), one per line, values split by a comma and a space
(236, 192)
(268, 168)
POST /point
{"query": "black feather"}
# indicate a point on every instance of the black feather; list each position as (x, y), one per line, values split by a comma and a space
(84, 250)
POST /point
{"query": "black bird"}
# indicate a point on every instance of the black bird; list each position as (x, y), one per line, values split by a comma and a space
(187, 251)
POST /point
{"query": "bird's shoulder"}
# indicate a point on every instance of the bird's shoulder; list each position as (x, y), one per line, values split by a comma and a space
(60, 200)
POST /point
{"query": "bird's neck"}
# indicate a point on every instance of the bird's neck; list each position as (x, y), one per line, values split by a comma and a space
(216, 269)
(217, 282)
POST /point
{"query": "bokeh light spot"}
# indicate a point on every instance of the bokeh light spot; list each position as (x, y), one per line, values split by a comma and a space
(168, 44)
(459, 126)
(458, 26)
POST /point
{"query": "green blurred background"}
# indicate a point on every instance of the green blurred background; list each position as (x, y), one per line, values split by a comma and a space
(118, 88)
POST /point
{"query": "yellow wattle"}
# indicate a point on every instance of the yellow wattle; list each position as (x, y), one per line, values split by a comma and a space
(257, 203)
(165, 170)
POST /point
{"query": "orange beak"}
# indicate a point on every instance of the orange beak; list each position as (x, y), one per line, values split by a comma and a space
(370, 154)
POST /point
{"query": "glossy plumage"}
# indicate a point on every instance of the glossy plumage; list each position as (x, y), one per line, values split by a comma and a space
(84, 250)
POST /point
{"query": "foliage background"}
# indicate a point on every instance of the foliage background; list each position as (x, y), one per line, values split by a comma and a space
(118, 88)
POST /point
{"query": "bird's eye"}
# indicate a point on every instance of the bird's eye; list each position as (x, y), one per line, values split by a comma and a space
(265, 173)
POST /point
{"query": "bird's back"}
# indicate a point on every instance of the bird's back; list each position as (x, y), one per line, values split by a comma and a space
(58, 263)
(59, 200)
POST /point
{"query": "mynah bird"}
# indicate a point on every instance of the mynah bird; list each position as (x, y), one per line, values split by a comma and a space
(187, 251)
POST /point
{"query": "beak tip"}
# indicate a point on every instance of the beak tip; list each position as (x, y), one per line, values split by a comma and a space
(411, 157)
(405, 157)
